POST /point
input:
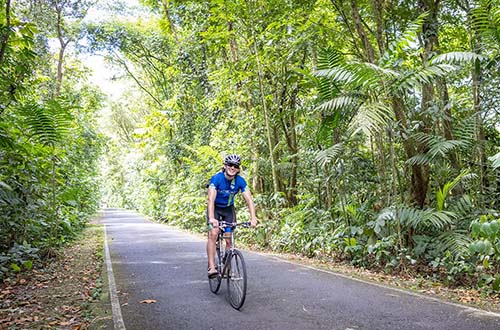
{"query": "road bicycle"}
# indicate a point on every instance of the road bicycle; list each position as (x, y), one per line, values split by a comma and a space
(230, 265)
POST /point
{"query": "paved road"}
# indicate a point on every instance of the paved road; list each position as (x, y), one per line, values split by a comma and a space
(153, 261)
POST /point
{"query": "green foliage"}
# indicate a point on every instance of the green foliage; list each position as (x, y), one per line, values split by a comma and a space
(49, 145)
(381, 164)
(495, 160)
(485, 249)
(19, 257)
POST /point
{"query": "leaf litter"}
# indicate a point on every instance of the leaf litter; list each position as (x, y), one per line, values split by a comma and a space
(63, 294)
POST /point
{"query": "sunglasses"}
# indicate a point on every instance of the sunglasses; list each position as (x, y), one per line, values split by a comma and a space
(233, 166)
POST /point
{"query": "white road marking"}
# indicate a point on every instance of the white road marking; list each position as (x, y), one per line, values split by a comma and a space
(115, 302)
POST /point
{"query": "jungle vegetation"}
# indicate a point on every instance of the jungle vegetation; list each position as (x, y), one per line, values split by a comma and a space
(369, 129)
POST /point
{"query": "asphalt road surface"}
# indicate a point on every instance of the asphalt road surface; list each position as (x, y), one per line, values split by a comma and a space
(167, 267)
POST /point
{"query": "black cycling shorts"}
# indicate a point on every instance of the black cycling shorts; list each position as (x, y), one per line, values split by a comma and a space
(227, 214)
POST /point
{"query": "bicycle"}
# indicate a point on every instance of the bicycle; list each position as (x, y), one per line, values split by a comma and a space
(230, 265)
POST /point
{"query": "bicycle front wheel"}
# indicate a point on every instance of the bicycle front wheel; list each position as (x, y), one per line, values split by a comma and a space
(237, 280)
(215, 282)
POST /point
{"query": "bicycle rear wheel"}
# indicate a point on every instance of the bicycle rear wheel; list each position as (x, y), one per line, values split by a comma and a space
(237, 280)
(215, 282)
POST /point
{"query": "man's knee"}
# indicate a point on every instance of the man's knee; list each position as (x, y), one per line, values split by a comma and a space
(212, 234)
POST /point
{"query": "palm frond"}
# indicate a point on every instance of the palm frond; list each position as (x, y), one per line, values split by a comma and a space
(424, 75)
(327, 89)
(338, 74)
(419, 160)
(408, 216)
(340, 102)
(371, 118)
(371, 76)
(495, 159)
(441, 148)
(456, 57)
(438, 147)
(387, 214)
(438, 219)
(415, 218)
(328, 156)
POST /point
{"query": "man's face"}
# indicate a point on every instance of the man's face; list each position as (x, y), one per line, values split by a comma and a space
(231, 169)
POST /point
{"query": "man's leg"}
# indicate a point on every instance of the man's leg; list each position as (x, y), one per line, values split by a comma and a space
(212, 238)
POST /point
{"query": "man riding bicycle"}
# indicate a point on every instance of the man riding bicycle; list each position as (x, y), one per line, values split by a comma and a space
(221, 191)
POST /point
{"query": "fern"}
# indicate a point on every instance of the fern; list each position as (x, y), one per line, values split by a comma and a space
(48, 124)
(455, 241)
(462, 206)
(466, 130)
(330, 58)
(6, 141)
(486, 20)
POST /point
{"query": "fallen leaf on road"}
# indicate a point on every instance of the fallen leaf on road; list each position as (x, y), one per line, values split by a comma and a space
(148, 301)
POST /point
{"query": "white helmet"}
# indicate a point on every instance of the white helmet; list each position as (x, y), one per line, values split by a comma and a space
(232, 160)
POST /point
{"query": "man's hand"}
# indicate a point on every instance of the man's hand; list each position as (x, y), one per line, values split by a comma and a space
(253, 222)
(214, 222)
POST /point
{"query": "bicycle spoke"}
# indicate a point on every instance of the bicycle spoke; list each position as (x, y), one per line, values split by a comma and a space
(236, 282)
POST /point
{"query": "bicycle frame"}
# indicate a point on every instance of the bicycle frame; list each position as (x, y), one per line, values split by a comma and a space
(230, 265)
(224, 252)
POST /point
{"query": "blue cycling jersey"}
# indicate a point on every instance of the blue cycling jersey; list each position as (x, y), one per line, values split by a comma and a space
(226, 189)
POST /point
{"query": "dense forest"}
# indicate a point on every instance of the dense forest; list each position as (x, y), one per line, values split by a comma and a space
(369, 129)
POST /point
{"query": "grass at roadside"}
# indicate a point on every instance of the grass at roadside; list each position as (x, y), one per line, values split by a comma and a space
(67, 293)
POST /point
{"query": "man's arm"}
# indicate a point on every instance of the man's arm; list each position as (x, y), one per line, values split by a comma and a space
(212, 193)
(247, 196)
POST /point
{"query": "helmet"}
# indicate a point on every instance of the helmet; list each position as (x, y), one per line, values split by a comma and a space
(232, 159)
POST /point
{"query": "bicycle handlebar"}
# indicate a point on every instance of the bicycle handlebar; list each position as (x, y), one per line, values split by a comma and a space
(223, 224)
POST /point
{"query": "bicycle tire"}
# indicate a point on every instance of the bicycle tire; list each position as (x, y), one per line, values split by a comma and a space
(237, 280)
(215, 282)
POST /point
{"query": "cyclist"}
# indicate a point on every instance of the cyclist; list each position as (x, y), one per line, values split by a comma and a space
(222, 188)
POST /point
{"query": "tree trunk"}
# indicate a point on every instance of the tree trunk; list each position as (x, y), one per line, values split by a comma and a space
(260, 75)
(378, 11)
(171, 24)
(5, 34)
(370, 54)
(60, 63)
(419, 174)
